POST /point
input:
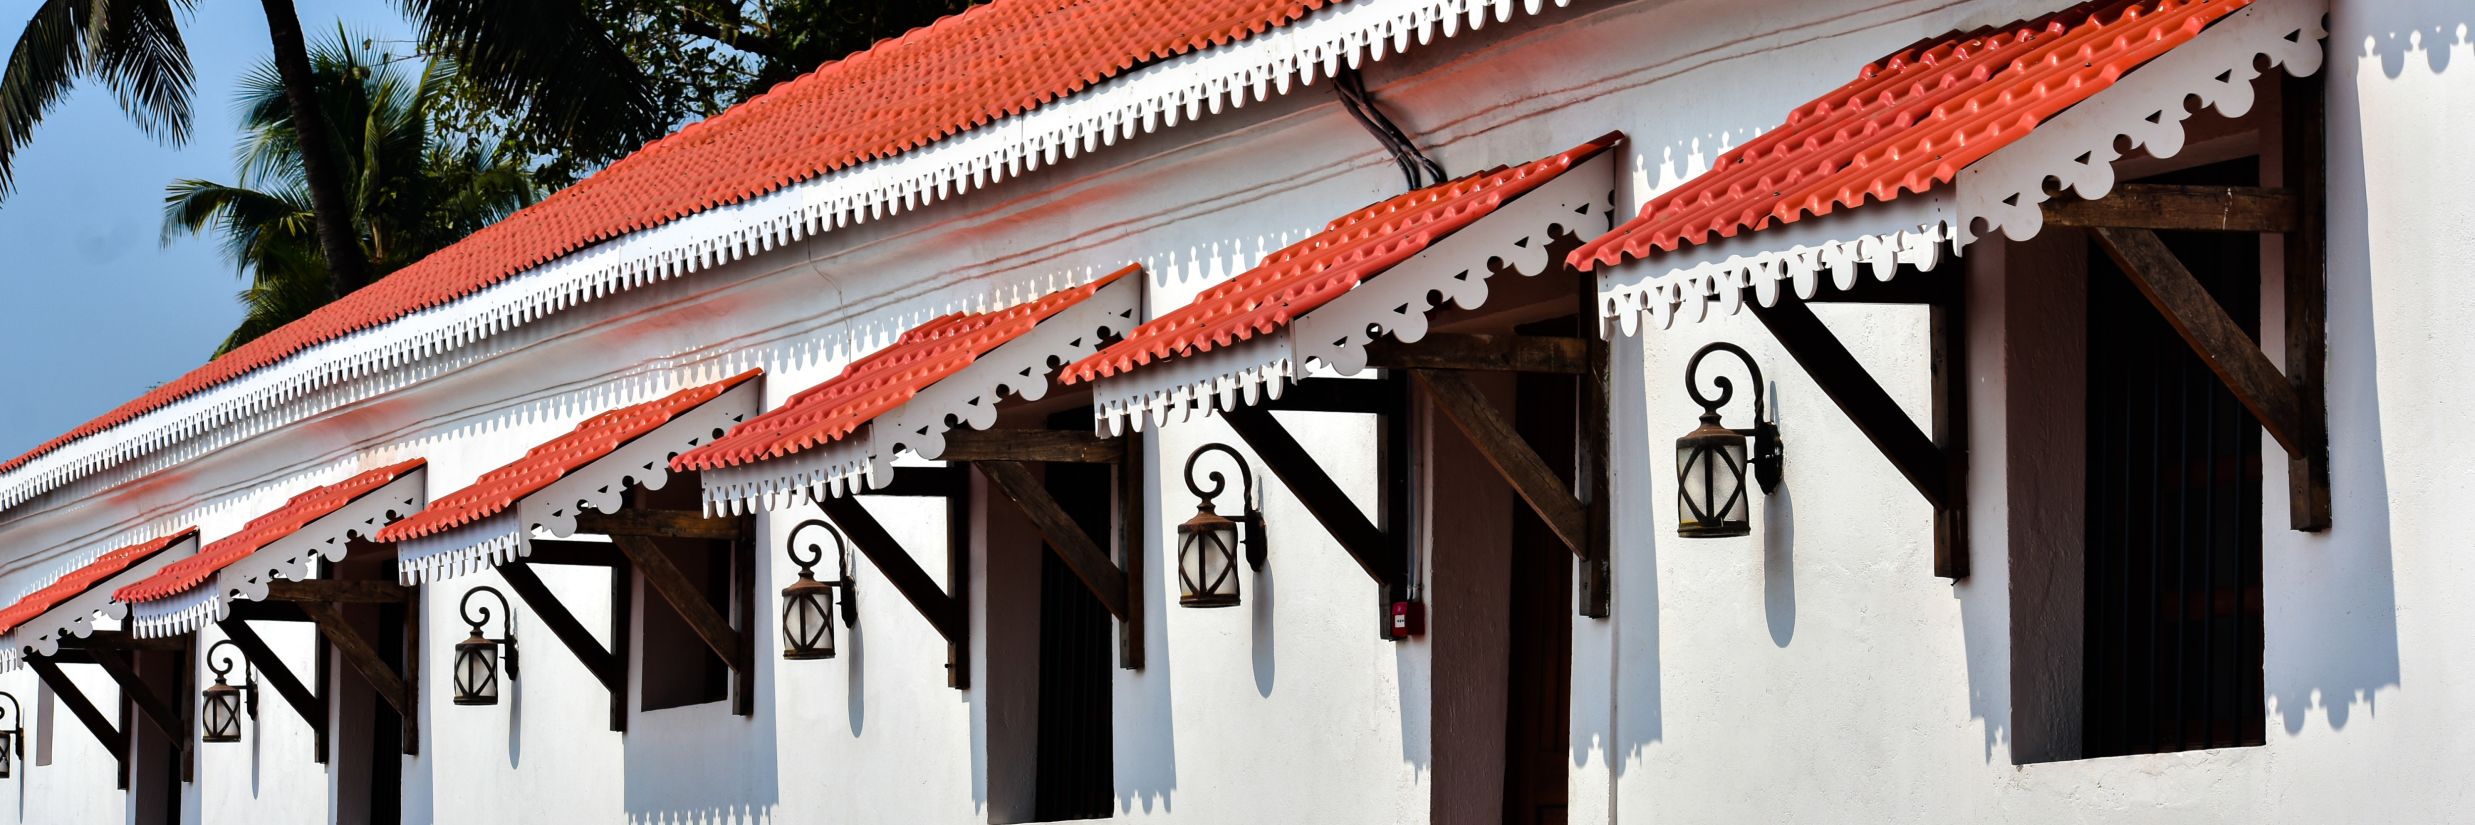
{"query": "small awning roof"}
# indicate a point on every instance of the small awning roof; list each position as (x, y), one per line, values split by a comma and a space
(1941, 143)
(69, 605)
(951, 371)
(317, 524)
(493, 520)
(1319, 300)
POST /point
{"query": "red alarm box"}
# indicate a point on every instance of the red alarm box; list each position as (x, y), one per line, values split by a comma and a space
(1408, 619)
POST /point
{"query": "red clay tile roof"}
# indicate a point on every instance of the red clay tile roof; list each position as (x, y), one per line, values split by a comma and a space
(500, 489)
(78, 581)
(264, 530)
(1309, 273)
(993, 61)
(871, 386)
(1911, 122)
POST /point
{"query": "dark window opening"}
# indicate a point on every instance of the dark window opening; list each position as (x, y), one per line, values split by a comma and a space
(1538, 695)
(679, 669)
(2173, 517)
(1075, 773)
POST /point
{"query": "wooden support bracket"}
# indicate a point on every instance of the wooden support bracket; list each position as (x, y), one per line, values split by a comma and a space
(357, 651)
(2304, 149)
(948, 613)
(113, 740)
(2188, 208)
(167, 716)
(1120, 591)
(307, 704)
(338, 591)
(1382, 556)
(606, 667)
(641, 522)
(2204, 324)
(1460, 401)
(1019, 445)
(1486, 353)
(702, 616)
(1937, 468)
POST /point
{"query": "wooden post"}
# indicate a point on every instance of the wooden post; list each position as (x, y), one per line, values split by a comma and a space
(2305, 153)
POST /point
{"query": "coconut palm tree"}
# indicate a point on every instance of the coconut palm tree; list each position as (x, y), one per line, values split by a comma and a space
(411, 188)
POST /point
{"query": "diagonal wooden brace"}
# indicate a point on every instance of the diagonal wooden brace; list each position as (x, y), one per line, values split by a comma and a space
(1076, 548)
(1540, 485)
(605, 666)
(358, 653)
(1380, 555)
(948, 614)
(165, 715)
(702, 616)
(80, 706)
(308, 705)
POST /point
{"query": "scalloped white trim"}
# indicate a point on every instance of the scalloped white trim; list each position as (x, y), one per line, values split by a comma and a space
(599, 485)
(1396, 302)
(2004, 192)
(1020, 368)
(291, 557)
(1185, 87)
(76, 616)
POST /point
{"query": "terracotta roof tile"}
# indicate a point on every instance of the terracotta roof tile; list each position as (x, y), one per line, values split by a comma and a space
(1304, 275)
(261, 531)
(1911, 122)
(78, 581)
(500, 489)
(967, 70)
(884, 380)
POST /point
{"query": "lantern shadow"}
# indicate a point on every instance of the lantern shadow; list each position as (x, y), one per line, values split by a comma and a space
(1267, 665)
(1778, 547)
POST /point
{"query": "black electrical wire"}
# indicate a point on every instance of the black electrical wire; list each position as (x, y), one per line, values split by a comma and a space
(1351, 88)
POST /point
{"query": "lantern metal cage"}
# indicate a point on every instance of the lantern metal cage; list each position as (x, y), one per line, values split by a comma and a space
(808, 604)
(12, 739)
(1712, 460)
(1208, 544)
(227, 705)
(476, 668)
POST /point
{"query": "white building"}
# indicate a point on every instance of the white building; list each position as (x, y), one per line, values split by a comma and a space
(2024, 553)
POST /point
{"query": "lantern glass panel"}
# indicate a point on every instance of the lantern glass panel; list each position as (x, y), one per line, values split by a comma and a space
(1710, 484)
(476, 672)
(8, 750)
(1207, 562)
(807, 620)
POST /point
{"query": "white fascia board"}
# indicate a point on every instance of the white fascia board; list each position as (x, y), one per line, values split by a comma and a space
(598, 485)
(1396, 303)
(292, 557)
(1189, 86)
(1022, 368)
(2003, 192)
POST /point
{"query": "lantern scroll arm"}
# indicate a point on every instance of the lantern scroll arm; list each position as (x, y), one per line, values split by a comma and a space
(949, 615)
(1935, 466)
(279, 676)
(605, 665)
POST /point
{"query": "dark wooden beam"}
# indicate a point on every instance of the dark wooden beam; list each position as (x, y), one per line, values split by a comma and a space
(666, 579)
(121, 640)
(947, 482)
(947, 614)
(358, 653)
(745, 555)
(1830, 365)
(1336, 395)
(1127, 527)
(409, 731)
(1487, 353)
(641, 522)
(2191, 208)
(1048, 446)
(279, 676)
(622, 612)
(1949, 324)
(1089, 562)
(84, 709)
(1380, 555)
(2221, 343)
(165, 715)
(264, 612)
(1462, 403)
(1593, 473)
(2304, 150)
(338, 591)
(606, 668)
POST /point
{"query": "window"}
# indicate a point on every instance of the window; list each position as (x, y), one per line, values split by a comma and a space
(2172, 616)
(1074, 772)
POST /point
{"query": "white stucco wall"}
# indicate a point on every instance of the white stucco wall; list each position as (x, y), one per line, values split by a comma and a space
(1815, 671)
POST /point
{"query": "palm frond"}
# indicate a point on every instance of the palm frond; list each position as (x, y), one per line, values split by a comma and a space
(138, 53)
(45, 62)
(550, 64)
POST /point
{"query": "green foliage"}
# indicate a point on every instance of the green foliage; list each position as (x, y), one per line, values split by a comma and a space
(413, 186)
(576, 84)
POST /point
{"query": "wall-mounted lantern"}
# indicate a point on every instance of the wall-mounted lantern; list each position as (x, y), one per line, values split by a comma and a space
(808, 604)
(12, 740)
(1711, 500)
(477, 657)
(225, 704)
(1207, 545)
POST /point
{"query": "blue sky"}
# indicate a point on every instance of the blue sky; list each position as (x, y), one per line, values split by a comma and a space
(94, 308)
